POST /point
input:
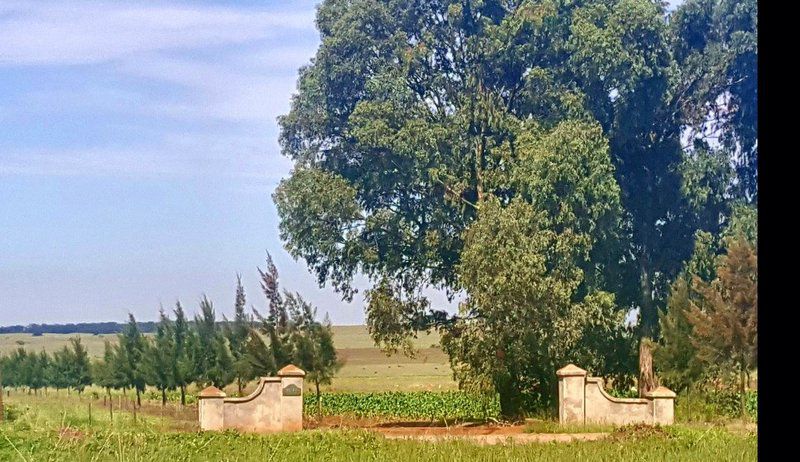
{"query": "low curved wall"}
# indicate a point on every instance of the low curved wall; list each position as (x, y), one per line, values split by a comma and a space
(584, 400)
(275, 405)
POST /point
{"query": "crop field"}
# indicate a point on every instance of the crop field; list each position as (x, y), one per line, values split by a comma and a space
(366, 368)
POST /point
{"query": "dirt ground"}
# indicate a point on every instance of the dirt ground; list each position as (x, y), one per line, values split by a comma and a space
(480, 433)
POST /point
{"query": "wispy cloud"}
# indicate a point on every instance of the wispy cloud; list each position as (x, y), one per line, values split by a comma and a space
(83, 32)
(201, 86)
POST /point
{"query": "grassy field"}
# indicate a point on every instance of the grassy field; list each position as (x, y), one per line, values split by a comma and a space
(366, 368)
(60, 429)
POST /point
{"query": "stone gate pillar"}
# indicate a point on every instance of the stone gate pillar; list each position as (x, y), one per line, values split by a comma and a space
(291, 398)
(663, 400)
(571, 395)
(211, 408)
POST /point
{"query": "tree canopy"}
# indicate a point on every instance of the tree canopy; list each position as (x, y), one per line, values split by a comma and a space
(603, 134)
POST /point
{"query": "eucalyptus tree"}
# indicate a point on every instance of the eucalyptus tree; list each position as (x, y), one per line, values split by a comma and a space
(409, 122)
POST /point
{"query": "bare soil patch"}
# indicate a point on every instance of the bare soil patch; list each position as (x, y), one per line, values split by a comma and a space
(476, 432)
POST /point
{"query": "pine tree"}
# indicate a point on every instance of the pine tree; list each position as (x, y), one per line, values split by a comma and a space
(105, 371)
(222, 372)
(237, 334)
(60, 369)
(313, 345)
(132, 348)
(159, 357)
(259, 355)
(725, 320)
(183, 365)
(276, 325)
(80, 375)
(206, 345)
(676, 355)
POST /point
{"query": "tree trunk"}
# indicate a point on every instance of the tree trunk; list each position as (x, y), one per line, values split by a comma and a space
(138, 397)
(319, 402)
(510, 399)
(742, 389)
(163, 397)
(646, 376)
(239, 385)
(649, 318)
(2, 409)
(183, 395)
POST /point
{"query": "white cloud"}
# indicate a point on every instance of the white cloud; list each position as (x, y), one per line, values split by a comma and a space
(83, 32)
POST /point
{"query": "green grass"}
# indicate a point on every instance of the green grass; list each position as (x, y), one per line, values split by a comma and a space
(58, 429)
(552, 426)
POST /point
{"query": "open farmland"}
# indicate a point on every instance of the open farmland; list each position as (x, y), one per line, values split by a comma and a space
(366, 368)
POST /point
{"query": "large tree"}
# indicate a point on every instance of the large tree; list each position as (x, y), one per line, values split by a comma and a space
(410, 119)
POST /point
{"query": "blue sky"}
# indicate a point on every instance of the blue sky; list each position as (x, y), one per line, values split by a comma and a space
(138, 152)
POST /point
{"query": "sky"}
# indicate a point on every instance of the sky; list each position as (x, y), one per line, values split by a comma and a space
(138, 154)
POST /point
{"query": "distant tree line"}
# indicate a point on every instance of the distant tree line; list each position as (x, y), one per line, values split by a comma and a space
(202, 351)
(95, 328)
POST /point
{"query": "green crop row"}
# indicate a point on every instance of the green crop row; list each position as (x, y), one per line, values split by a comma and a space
(411, 405)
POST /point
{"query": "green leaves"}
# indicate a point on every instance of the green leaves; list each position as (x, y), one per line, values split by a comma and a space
(407, 405)
(320, 219)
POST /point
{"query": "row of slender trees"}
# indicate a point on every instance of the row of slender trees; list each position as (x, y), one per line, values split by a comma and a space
(68, 368)
(201, 351)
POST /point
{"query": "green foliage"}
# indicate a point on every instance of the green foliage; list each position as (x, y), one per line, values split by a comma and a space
(451, 405)
(159, 357)
(10, 413)
(312, 343)
(676, 356)
(412, 121)
(715, 45)
(69, 367)
(237, 334)
(292, 333)
(131, 352)
(714, 405)
(183, 371)
(724, 317)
